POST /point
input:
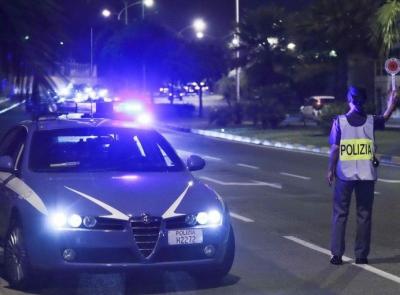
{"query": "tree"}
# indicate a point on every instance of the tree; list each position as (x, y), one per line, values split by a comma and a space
(203, 61)
(342, 31)
(386, 26)
(28, 45)
(268, 63)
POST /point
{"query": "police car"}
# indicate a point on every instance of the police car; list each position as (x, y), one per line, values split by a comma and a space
(98, 194)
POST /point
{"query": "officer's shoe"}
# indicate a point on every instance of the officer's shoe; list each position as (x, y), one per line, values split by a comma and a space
(361, 261)
(336, 260)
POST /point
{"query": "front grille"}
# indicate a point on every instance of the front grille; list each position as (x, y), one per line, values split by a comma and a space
(146, 232)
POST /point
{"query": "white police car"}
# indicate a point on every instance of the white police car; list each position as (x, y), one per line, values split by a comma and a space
(97, 194)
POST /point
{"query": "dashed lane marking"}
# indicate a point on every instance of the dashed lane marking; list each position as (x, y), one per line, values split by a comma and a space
(211, 158)
(11, 107)
(377, 193)
(388, 180)
(366, 267)
(295, 176)
(248, 166)
(183, 152)
(253, 183)
(240, 217)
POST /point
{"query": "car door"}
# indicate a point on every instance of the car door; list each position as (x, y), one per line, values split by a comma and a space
(12, 145)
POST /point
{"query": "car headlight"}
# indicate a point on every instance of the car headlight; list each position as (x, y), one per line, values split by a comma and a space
(74, 220)
(61, 220)
(211, 218)
(58, 220)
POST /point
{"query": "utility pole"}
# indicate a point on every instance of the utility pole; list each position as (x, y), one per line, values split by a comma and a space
(126, 12)
(91, 52)
(237, 52)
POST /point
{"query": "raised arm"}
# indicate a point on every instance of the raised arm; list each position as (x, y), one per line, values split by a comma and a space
(391, 105)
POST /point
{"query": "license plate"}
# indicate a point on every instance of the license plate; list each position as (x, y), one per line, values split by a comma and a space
(185, 236)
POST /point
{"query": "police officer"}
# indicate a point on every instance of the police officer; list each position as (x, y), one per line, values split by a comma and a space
(353, 167)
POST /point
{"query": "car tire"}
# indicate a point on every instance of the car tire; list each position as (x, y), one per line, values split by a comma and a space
(16, 262)
(218, 272)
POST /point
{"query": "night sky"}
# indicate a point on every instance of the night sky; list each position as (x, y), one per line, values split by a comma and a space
(175, 14)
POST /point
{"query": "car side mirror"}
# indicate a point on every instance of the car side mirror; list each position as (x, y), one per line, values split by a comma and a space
(6, 163)
(195, 163)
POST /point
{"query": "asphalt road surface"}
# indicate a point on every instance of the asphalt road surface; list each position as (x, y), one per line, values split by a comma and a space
(281, 211)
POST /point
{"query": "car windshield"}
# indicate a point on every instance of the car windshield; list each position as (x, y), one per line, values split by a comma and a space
(102, 149)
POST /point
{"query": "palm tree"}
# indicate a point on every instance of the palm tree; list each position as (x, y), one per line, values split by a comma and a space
(28, 39)
(387, 25)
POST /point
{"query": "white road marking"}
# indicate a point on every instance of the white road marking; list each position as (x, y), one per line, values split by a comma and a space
(183, 152)
(366, 267)
(254, 183)
(11, 107)
(248, 166)
(296, 176)
(377, 193)
(210, 158)
(4, 100)
(388, 180)
(240, 217)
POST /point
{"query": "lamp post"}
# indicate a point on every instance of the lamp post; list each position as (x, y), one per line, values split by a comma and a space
(237, 43)
(127, 5)
(144, 3)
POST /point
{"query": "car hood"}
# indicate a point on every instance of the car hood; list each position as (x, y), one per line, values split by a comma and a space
(122, 195)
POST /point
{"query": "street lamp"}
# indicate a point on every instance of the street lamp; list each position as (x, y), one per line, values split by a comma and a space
(144, 3)
(199, 25)
(106, 13)
(200, 35)
(237, 50)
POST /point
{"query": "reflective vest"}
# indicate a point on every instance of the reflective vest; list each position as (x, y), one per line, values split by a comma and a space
(356, 150)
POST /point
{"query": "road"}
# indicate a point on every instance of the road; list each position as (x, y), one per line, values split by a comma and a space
(281, 210)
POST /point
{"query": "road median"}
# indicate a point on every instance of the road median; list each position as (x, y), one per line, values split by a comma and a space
(265, 141)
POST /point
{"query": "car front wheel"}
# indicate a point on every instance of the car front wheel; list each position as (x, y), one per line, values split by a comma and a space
(16, 263)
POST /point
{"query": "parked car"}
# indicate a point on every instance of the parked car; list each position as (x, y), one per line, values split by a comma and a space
(314, 105)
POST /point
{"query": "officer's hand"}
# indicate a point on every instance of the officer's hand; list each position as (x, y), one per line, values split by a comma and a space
(330, 177)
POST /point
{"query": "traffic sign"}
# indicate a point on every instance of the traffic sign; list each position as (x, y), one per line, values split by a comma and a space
(392, 66)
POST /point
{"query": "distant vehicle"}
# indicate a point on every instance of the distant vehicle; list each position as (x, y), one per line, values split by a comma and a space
(96, 194)
(314, 105)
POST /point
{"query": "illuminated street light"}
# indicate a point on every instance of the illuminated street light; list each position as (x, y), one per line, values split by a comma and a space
(199, 35)
(333, 53)
(199, 25)
(106, 13)
(235, 41)
(272, 41)
(148, 3)
(291, 46)
(27, 37)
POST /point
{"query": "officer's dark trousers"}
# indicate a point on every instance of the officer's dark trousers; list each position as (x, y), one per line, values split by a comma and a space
(364, 191)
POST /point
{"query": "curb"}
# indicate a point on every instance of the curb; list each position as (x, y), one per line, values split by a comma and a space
(384, 159)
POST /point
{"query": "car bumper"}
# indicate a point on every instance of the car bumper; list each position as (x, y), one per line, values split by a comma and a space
(117, 250)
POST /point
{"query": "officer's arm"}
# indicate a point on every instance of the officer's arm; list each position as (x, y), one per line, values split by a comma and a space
(391, 106)
(333, 159)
